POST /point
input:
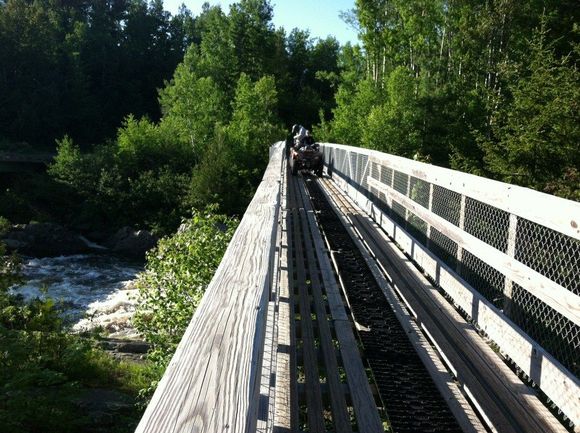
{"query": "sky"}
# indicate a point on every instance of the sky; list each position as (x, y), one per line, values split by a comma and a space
(319, 17)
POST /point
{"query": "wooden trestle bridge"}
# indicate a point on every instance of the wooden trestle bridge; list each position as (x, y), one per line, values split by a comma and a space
(388, 295)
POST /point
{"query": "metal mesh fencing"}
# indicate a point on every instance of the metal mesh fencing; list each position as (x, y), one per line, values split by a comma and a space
(446, 204)
(558, 335)
(548, 252)
(487, 223)
(488, 281)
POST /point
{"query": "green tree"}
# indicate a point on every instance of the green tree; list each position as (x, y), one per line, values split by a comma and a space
(252, 37)
(233, 166)
(217, 58)
(192, 105)
(255, 125)
(352, 111)
(536, 135)
(394, 126)
(80, 67)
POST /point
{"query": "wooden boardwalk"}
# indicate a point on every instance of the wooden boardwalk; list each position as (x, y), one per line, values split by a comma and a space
(273, 347)
(329, 389)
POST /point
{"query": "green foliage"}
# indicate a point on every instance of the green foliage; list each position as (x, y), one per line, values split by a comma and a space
(143, 145)
(394, 126)
(154, 164)
(69, 166)
(154, 172)
(45, 372)
(4, 225)
(461, 85)
(36, 197)
(233, 165)
(192, 105)
(79, 68)
(217, 179)
(254, 125)
(177, 273)
(140, 180)
(352, 111)
(536, 135)
(252, 37)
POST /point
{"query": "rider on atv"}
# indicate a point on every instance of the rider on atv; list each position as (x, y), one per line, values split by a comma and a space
(298, 134)
(304, 153)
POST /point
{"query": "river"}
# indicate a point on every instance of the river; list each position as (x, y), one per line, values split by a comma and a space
(94, 290)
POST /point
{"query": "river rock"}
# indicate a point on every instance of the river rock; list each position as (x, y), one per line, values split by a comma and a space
(132, 243)
(128, 350)
(44, 240)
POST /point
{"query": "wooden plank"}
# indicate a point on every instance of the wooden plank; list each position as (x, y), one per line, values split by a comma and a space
(361, 395)
(553, 212)
(340, 416)
(511, 251)
(268, 383)
(562, 387)
(548, 291)
(286, 406)
(264, 421)
(212, 381)
(312, 378)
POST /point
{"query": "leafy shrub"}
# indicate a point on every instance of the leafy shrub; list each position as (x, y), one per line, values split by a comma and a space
(141, 180)
(176, 275)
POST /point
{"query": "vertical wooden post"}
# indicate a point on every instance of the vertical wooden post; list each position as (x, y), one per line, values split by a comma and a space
(511, 251)
(430, 208)
(408, 194)
(462, 227)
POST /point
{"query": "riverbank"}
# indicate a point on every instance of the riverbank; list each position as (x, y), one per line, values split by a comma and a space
(72, 361)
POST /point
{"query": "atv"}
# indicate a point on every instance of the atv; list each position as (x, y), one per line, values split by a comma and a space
(306, 155)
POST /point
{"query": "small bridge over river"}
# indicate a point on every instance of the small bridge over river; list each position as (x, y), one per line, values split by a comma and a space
(15, 162)
(388, 295)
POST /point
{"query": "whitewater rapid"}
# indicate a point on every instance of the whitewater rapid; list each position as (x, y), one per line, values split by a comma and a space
(94, 291)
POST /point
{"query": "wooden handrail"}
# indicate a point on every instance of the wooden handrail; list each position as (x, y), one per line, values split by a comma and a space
(212, 381)
(555, 213)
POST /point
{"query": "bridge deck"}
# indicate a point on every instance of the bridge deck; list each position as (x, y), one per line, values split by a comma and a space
(323, 375)
(315, 321)
(327, 389)
(502, 400)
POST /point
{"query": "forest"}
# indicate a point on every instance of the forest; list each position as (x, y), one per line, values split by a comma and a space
(151, 111)
(159, 121)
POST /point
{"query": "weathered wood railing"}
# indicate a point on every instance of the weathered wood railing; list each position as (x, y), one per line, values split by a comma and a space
(508, 256)
(212, 382)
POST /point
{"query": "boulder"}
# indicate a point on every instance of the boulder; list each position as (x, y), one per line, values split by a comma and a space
(132, 243)
(44, 240)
